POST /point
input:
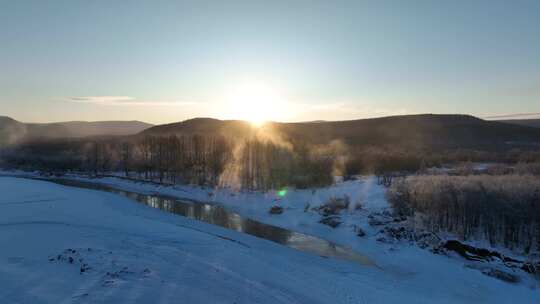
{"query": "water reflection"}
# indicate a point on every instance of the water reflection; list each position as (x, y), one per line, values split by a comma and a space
(218, 215)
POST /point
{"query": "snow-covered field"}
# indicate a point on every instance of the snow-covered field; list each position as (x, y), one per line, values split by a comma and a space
(63, 245)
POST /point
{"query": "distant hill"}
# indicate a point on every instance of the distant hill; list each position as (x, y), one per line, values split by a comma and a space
(13, 131)
(203, 126)
(96, 128)
(524, 122)
(407, 131)
(412, 132)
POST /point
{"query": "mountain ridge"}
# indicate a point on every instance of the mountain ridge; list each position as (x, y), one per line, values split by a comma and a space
(13, 131)
(419, 131)
(407, 131)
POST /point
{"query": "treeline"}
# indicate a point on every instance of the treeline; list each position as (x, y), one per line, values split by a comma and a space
(57, 155)
(468, 168)
(382, 160)
(503, 210)
(174, 159)
(202, 160)
(392, 159)
(266, 165)
(182, 159)
(252, 163)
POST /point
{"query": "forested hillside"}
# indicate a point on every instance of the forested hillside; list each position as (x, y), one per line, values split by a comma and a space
(524, 122)
(427, 131)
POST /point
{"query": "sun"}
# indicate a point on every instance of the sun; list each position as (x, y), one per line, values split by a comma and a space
(255, 102)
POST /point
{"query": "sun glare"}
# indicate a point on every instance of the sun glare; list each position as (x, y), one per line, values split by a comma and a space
(255, 102)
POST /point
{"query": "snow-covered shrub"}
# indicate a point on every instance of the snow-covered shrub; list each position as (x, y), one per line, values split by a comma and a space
(276, 210)
(503, 210)
(359, 204)
(334, 205)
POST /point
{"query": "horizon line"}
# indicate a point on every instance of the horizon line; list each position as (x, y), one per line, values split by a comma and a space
(491, 117)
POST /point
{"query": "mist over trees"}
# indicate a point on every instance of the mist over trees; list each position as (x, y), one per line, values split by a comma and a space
(253, 164)
(248, 163)
(266, 165)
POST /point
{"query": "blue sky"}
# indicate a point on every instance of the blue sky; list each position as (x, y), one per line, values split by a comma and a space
(164, 61)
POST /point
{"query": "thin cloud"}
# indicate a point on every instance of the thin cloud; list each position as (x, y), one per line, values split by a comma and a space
(515, 116)
(125, 101)
(101, 99)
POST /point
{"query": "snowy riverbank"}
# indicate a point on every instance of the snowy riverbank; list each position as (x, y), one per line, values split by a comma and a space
(52, 218)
